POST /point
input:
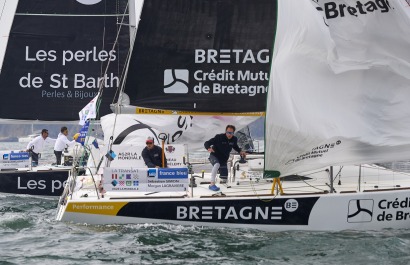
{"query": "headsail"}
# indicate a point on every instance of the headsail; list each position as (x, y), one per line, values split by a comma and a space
(56, 55)
(340, 85)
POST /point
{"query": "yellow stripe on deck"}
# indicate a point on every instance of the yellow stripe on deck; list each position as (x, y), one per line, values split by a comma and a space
(139, 110)
(104, 208)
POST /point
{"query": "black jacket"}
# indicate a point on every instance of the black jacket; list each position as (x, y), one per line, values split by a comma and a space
(222, 146)
(153, 157)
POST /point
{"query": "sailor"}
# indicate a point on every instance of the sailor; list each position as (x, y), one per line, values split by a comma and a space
(62, 143)
(152, 154)
(36, 146)
(220, 148)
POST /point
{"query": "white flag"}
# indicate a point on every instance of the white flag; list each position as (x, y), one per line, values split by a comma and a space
(89, 111)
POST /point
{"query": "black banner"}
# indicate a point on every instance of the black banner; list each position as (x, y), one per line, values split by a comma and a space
(283, 211)
(45, 183)
(203, 55)
(56, 55)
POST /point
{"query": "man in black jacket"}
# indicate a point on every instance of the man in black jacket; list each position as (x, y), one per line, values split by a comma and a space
(220, 148)
(152, 154)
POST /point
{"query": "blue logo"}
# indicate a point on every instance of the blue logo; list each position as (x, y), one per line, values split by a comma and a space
(19, 156)
(152, 172)
(173, 173)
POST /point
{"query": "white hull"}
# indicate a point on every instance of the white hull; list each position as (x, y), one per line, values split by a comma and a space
(330, 212)
(250, 205)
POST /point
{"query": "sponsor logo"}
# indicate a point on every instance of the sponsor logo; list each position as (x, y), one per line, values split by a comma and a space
(227, 56)
(129, 156)
(32, 184)
(332, 10)
(291, 205)
(220, 81)
(152, 172)
(176, 81)
(19, 156)
(360, 211)
(225, 213)
(5, 156)
(172, 173)
(318, 151)
(92, 207)
(170, 149)
(394, 210)
(89, 2)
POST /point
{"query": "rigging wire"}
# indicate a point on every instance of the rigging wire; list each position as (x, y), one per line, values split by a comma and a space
(104, 72)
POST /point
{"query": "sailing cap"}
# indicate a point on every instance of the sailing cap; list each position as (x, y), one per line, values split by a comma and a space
(150, 139)
(44, 131)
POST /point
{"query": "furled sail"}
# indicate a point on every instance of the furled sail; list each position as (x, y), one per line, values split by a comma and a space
(57, 55)
(192, 130)
(202, 55)
(340, 85)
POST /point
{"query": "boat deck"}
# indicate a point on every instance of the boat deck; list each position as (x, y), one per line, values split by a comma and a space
(312, 183)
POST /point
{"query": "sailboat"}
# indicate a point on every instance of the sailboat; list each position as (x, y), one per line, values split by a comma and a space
(48, 72)
(336, 104)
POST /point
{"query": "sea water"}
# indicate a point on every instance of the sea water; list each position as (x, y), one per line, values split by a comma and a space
(30, 235)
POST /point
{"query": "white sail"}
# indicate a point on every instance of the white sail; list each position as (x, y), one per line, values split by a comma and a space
(340, 85)
(192, 130)
(7, 10)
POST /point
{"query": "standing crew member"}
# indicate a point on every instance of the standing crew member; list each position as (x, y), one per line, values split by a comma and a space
(36, 146)
(61, 143)
(220, 148)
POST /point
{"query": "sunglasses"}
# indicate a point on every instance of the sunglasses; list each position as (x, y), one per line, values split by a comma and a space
(230, 133)
(148, 143)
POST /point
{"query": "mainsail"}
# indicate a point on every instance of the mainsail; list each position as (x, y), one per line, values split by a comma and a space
(198, 66)
(56, 58)
(201, 55)
(340, 85)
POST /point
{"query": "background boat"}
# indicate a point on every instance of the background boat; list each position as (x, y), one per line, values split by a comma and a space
(28, 138)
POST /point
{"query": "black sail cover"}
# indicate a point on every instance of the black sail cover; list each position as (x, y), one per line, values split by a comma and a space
(202, 55)
(56, 55)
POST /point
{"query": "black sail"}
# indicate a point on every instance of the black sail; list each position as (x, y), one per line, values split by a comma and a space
(202, 55)
(56, 53)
